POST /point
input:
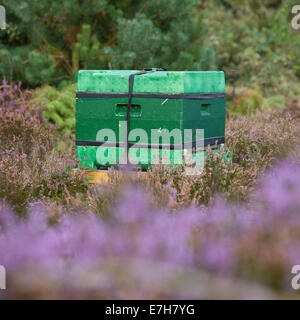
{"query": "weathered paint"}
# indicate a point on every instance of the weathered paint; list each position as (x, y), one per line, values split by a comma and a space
(94, 114)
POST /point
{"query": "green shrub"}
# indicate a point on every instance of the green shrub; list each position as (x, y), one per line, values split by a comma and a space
(59, 106)
(86, 51)
(32, 67)
(276, 102)
(99, 34)
(255, 44)
(247, 102)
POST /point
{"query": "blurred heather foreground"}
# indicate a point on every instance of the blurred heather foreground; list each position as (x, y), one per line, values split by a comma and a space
(232, 232)
(226, 251)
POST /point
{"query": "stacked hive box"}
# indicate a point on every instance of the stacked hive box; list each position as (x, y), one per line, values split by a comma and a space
(160, 100)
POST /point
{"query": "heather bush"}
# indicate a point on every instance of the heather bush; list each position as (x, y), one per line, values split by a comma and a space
(172, 188)
(256, 245)
(256, 141)
(19, 123)
(30, 166)
(218, 176)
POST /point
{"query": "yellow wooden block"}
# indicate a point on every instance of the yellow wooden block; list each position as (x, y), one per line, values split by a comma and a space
(94, 176)
(97, 176)
(101, 176)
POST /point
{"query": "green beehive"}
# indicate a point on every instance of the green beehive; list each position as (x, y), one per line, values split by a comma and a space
(157, 101)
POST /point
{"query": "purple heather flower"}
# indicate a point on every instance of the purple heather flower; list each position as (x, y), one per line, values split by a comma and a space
(213, 239)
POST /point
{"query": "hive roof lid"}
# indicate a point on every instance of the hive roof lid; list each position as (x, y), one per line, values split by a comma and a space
(176, 82)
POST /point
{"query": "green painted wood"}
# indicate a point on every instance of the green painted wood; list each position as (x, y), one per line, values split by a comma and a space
(94, 114)
(152, 82)
(205, 114)
(92, 158)
(89, 159)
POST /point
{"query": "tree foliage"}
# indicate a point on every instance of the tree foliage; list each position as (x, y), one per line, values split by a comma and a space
(47, 41)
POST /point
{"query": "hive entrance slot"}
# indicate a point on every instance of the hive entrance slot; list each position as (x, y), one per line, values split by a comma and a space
(135, 109)
(205, 109)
